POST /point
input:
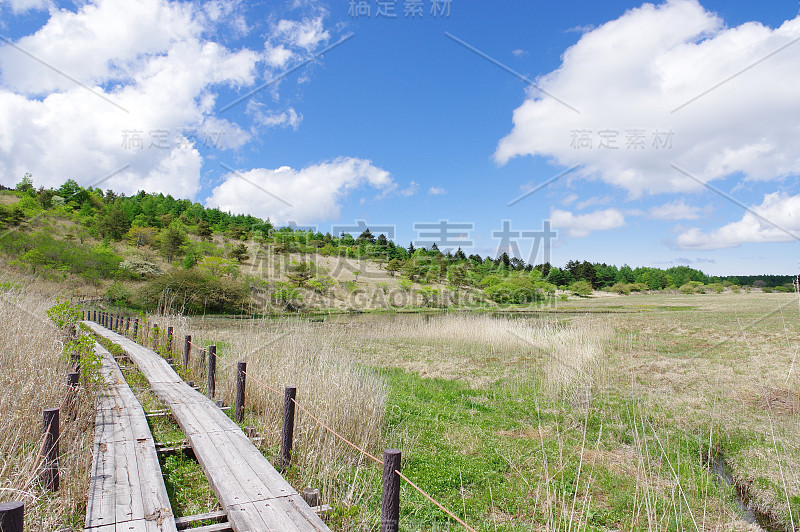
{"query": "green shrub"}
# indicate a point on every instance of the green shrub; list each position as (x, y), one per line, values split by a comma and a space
(621, 288)
(193, 291)
(118, 294)
(581, 288)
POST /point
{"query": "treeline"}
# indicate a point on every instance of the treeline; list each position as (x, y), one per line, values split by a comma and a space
(165, 224)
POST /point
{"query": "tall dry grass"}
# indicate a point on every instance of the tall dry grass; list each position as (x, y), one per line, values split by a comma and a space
(567, 357)
(33, 377)
(340, 393)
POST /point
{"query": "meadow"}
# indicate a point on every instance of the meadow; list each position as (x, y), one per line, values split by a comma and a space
(641, 412)
(656, 412)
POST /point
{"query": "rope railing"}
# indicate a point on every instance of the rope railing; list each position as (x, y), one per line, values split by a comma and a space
(325, 426)
(351, 444)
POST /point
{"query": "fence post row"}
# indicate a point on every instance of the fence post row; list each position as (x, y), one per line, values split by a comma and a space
(187, 348)
(212, 370)
(50, 475)
(390, 505)
(241, 368)
(287, 433)
(12, 516)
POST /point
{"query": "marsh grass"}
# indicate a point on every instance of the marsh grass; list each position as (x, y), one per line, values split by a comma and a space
(33, 376)
(559, 422)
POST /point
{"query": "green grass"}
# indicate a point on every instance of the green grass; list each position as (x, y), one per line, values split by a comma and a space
(507, 458)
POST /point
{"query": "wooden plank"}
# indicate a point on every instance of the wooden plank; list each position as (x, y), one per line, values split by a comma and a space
(127, 491)
(218, 527)
(253, 494)
(187, 520)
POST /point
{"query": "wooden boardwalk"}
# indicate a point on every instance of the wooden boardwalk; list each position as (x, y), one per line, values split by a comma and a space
(254, 495)
(127, 490)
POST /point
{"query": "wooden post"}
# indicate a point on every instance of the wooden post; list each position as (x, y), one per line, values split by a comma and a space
(12, 516)
(51, 435)
(287, 434)
(187, 349)
(169, 340)
(127, 325)
(212, 369)
(94, 314)
(135, 329)
(390, 507)
(73, 379)
(241, 368)
(116, 323)
(311, 496)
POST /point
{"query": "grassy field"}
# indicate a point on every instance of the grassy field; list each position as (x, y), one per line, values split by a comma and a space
(601, 413)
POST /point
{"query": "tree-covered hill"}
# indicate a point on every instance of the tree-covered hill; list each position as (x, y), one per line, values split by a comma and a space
(150, 249)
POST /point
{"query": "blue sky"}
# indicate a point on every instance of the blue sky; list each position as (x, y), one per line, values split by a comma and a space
(676, 123)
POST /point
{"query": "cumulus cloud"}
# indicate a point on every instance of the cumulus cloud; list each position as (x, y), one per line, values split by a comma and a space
(581, 225)
(129, 88)
(627, 81)
(436, 191)
(312, 194)
(777, 219)
(675, 210)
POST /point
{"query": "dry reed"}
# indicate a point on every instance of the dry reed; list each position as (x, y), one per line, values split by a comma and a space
(33, 377)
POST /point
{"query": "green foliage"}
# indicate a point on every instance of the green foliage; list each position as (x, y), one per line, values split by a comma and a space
(240, 253)
(285, 294)
(581, 288)
(320, 284)
(429, 295)
(300, 272)
(692, 287)
(173, 240)
(193, 291)
(621, 288)
(82, 348)
(26, 184)
(90, 262)
(118, 294)
(64, 315)
(406, 285)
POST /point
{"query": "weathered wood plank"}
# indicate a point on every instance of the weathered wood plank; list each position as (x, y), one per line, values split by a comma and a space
(127, 490)
(253, 494)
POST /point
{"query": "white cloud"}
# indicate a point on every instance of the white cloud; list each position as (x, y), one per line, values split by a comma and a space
(630, 74)
(436, 191)
(23, 6)
(308, 195)
(519, 52)
(594, 200)
(775, 220)
(581, 225)
(572, 198)
(409, 191)
(287, 118)
(676, 210)
(159, 64)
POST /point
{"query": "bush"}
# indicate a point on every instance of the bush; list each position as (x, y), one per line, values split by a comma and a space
(581, 288)
(193, 291)
(692, 287)
(118, 294)
(621, 288)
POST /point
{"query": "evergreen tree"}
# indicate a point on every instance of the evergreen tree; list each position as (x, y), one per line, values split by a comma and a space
(240, 253)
